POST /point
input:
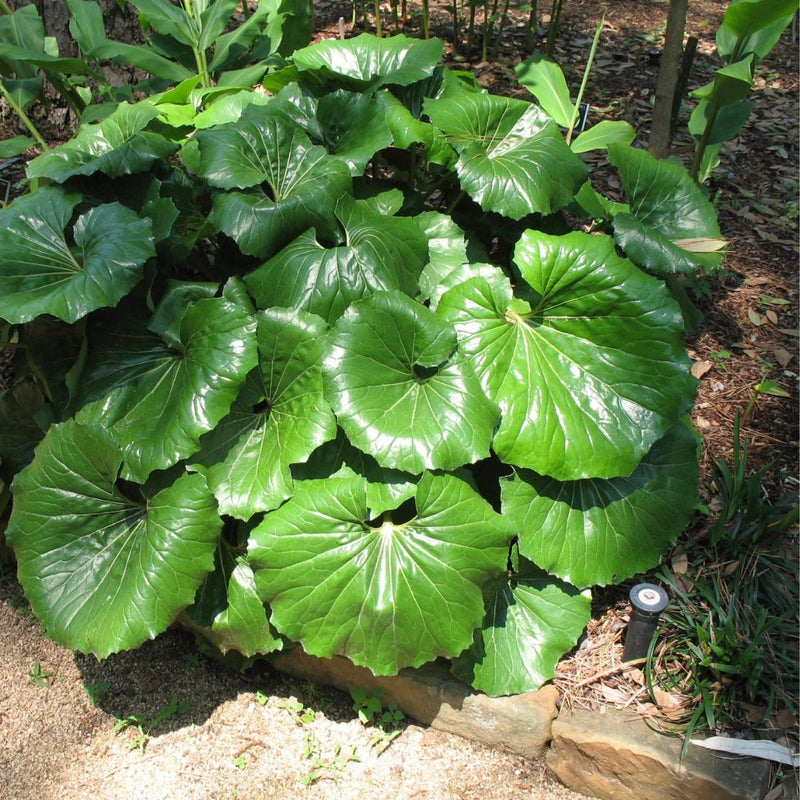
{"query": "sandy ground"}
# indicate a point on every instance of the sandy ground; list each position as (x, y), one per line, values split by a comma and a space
(232, 736)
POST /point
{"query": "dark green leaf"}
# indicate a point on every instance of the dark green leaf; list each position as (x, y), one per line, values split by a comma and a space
(105, 572)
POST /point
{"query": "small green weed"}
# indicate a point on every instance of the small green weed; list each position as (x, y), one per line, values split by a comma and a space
(240, 762)
(370, 710)
(298, 712)
(322, 766)
(38, 677)
(144, 726)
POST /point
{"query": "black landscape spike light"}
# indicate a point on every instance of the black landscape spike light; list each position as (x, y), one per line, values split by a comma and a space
(648, 601)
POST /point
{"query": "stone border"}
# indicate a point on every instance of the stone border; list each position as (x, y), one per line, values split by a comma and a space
(607, 754)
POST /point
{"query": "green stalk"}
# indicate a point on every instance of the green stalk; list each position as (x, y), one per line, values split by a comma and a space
(704, 139)
(426, 20)
(4, 9)
(586, 72)
(500, 25)
(17, 109)
(378, 22)
(200, 59)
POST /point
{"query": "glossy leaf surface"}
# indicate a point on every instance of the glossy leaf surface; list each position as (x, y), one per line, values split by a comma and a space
(279, 418)
(385, 595)
(531, 621)
(105, 572)
(512, 157)
(400, 390)
(156, 399)
(666, 206)
(381, 253)
(608, 530)
(42, 273)
(587, 363)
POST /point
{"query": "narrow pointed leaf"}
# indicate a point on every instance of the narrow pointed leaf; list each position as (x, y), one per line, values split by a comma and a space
(400, 389)
(40, 273)
(607, 530)
(512, 157)
(386, 597)
(599, 136)
(157, 400)
(103, 572)
(543, 78)
(278, 420)
(587, 365)
(531, 620)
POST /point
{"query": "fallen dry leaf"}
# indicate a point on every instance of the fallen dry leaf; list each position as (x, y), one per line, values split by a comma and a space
(699, 368)
(783, 357)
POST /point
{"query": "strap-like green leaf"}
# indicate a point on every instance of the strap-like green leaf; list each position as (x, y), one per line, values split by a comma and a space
(587, 363)
(41, 273)
(400, 389)
(386, 595)
(105, 572)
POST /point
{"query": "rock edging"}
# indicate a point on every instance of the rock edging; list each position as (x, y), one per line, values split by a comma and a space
(606, 754)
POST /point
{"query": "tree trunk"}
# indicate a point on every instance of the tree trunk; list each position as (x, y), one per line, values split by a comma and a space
(120, 25)
(668, 73)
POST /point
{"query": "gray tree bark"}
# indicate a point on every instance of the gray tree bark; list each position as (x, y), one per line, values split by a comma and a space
(668, 73)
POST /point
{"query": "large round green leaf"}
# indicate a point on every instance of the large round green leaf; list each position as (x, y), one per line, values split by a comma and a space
(157, 400)
(367, 59)
(41, 273)
(512, 157)
(381, 252)
(400, 389)
(119, 145)
(587, 364)
(531, 621)
(672, 226)
(386, 595)
(603, 531)
(296, 184)
(278, 420)
(104, 572)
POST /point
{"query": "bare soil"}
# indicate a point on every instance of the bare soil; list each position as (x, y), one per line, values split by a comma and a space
(241, 736)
